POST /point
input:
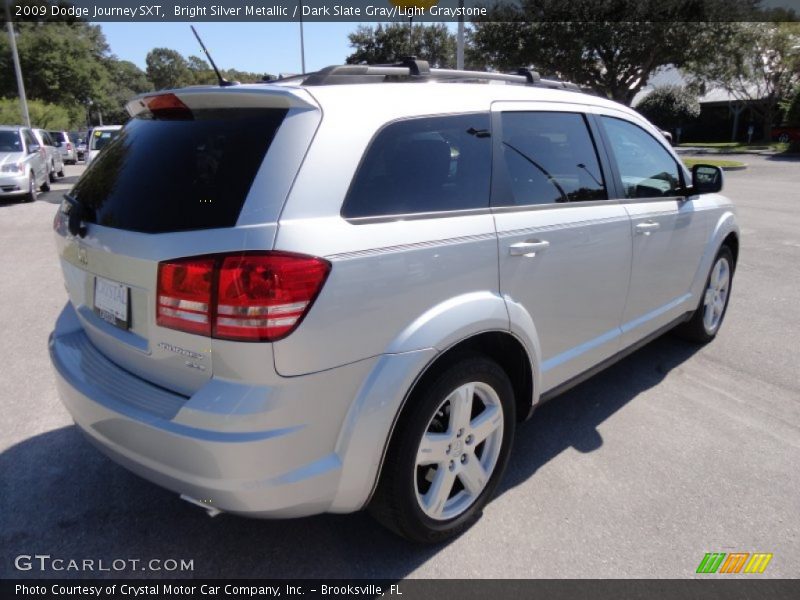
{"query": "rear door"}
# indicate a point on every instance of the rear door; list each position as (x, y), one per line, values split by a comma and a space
(208, 178)
(565, 249)
(669, 229)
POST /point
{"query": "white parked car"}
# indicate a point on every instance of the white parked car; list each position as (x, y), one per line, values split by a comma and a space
(344, 290)
(54, 160)
(99, 138)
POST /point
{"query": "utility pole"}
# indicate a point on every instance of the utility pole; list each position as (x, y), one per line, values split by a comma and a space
(12, 40)
(460, 38)
(302, 42)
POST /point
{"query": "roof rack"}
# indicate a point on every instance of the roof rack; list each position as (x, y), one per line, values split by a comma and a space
(411, 68)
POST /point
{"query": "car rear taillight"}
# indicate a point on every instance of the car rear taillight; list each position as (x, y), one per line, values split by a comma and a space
(69, 146)
(250, 296)
(184, 294)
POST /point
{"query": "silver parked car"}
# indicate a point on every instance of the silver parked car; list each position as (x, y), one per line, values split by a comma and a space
(23, 167)
(66, 146)
(337, 291)
(55, 162)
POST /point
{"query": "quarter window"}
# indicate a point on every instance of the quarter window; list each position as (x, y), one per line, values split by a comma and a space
(549, 157)
(423, 165)
(646, 168)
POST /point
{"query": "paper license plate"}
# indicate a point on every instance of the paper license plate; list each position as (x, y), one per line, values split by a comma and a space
(111, 301)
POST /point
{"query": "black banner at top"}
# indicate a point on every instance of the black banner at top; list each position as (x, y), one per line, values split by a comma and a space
(404, 10)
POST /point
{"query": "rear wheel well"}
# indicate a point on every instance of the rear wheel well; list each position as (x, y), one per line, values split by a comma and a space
(503, 348)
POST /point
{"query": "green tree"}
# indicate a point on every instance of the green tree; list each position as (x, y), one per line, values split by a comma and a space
(389, 43)
(670, 106)
(758, 64)
(43, 114)
(612, 47)
(128, 81)
(167, 69)
(62, 63)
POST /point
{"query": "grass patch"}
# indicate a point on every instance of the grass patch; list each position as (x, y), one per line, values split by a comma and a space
(733, 147)
(716, 162)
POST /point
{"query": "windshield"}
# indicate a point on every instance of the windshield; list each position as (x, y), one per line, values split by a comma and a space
(10, 141)
(100, 139)
(163, 175)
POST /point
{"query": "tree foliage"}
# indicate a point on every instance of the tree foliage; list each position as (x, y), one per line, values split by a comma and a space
(670, 106)
(390, 43)
(791, 108)
(43, 114)
(611, 46)
(167, 68)
(758, 64)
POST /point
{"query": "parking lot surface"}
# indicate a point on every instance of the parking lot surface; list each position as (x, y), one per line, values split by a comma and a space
(672, 453)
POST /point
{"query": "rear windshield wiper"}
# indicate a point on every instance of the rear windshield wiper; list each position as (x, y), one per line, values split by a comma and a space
(75, 216)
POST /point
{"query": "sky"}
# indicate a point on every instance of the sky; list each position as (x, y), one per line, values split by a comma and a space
(256, 47)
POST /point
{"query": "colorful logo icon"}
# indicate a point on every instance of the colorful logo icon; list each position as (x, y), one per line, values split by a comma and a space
(736, 562)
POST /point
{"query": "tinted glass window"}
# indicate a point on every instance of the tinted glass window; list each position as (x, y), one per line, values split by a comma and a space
(424, 165)
(646, 168)
(30, 140)
(57, 136)
(10, 142)
(550, 157)
(163, 175)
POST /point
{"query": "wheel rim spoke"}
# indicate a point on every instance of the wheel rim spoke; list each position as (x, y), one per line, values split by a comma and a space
(473, 476)
(461, 406)
(433, 448)
(439, 492)
(485, 424)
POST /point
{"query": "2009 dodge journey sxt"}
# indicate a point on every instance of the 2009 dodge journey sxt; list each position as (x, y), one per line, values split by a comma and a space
(343, 290)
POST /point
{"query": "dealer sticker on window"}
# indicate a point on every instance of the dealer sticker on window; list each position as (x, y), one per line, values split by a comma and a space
(111, 301)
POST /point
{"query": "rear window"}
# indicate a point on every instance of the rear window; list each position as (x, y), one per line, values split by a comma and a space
(164, 175)
(10, 142)
(58, 136)
(101, 138)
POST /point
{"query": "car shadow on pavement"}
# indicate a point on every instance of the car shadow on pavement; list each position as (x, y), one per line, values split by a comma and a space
(63, 498)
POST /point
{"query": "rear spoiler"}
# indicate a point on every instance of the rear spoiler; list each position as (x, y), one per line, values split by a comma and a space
(256, 96)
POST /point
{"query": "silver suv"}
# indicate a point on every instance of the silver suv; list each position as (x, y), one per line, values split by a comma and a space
(344, 290)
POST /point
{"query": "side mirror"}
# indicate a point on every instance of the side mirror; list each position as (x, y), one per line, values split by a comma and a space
(706, 179)
(34, 148)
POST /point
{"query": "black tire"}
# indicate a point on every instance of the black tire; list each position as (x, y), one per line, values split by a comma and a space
(31, 195)
(52, 174)
(395, 503)
(695, 329)
(61, 172)
(45, 187)
(784, 137)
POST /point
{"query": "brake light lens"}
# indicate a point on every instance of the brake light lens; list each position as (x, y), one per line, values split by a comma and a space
(245, 296)
(168, 106)
(184, 295)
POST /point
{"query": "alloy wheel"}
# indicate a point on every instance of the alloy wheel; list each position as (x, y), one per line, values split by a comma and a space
(459, 450)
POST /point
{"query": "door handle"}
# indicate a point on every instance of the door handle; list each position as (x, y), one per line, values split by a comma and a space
(528, 248)
(647, 227)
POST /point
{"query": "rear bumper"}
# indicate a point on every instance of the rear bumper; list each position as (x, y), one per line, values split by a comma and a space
(268, 451)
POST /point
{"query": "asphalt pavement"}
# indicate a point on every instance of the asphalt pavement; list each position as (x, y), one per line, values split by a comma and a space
(672, 453)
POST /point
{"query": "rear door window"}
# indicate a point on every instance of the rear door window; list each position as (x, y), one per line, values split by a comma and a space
(163, 175)
(549, 157)
(421, 165)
